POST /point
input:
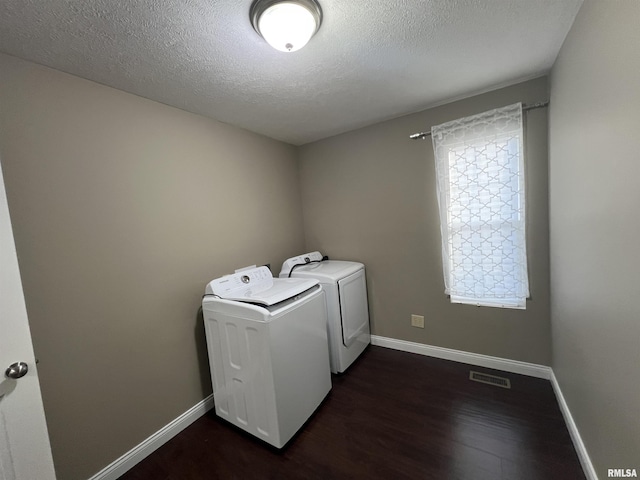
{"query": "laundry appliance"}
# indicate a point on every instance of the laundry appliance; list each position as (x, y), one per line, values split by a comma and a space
(267, 344)
(345, 287)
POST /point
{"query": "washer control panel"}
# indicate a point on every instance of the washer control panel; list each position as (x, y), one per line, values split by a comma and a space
(240, 283)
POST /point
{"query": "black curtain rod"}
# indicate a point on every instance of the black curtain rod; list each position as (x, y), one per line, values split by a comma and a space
(525, 108)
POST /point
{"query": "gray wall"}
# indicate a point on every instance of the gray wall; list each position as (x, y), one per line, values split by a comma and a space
(595, 232)
(122, 210)
(369, 195)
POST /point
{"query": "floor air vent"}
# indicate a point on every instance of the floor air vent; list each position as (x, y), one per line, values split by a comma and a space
(489, 379)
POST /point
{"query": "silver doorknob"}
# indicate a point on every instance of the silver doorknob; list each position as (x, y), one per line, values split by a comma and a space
(16, 370)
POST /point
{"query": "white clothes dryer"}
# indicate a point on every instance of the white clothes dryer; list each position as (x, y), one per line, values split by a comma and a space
(267, 344)
(345, 287)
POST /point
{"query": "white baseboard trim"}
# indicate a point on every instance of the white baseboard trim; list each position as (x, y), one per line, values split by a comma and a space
(496, 363)
(585, 461)
(155, 441)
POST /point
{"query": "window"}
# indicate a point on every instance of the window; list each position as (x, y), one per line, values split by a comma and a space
(480, 182)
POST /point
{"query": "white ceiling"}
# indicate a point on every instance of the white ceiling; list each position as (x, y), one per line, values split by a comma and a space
(370, 61)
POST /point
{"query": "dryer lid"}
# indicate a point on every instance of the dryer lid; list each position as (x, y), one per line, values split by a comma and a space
(257, 285)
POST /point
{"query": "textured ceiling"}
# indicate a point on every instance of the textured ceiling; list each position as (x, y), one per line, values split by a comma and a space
(370, 61)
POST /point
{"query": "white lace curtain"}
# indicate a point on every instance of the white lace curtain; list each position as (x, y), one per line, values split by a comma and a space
(480, 181)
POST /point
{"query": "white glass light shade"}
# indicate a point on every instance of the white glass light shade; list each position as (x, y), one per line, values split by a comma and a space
(287, 26)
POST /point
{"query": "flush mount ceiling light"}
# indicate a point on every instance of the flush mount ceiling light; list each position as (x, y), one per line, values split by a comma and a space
(286, 25)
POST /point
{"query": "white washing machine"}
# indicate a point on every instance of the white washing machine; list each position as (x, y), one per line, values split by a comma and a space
(267, 343)
(345, 287)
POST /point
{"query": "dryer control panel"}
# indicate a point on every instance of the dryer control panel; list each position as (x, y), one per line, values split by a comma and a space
(301, 259)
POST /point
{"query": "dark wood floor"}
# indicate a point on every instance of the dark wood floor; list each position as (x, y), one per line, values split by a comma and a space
(393, 415)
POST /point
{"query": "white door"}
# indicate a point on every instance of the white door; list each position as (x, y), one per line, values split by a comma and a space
(25, 453)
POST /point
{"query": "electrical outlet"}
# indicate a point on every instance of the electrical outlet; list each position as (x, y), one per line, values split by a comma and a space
(417, 321)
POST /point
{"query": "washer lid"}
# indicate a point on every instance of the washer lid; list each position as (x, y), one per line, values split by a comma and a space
(329, 271)
(257, 285)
